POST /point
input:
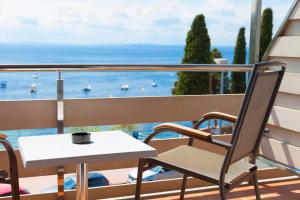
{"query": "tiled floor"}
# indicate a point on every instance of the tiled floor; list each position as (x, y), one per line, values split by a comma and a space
(282, 190)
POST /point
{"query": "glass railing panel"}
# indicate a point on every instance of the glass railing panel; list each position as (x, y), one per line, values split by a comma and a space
(27, 85)
(13, 135)
(118, 84)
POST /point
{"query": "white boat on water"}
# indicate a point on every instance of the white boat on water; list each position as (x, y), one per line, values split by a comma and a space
(35, 76)
(124, 87)
(153, 84)
(33, 88)
(87, 88)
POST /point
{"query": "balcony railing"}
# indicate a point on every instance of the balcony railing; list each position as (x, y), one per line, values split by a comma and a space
(127, 67)
(60, 113)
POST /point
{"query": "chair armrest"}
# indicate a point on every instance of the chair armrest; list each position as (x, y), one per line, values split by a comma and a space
(220, 115)
(190, 132)
(3, 136)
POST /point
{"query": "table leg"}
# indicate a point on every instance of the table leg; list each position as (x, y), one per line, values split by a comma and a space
(82, 182)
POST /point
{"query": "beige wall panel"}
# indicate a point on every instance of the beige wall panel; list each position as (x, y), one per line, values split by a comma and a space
(32, 114)
(27, 114)
(291, 83)
(286, 46)
(296, 12)
(293, 64)
(280, 152)
(287, 100)
(293, 28)
(146, 109)
(285, 118)
(284, 135)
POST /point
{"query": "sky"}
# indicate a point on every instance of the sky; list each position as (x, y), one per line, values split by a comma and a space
(91, 22)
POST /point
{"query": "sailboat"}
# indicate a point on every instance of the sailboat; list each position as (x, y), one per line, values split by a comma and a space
(33, 88)
(124, 87)
(35, 76)
(153, 84)
(87, 88)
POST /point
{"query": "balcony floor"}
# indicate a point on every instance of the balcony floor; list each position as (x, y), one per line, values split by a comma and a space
(279, 190)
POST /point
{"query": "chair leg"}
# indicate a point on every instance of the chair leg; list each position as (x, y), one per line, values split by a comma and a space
(183, 185)
(256, 187)
(139, 179)
(222, 192)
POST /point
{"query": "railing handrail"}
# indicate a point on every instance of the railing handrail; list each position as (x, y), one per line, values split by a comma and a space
(126, 67)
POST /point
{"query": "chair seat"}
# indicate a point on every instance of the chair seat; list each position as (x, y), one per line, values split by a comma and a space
(201, 164)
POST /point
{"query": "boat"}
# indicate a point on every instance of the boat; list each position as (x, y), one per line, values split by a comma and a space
(124, 87)
(3, 84)
(33, 88)
(35, 76)
(87, 88)
(153, 84)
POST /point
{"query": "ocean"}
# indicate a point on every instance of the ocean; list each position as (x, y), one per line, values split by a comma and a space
(103, 84)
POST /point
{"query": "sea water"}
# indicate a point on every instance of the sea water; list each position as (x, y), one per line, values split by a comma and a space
(103, 84)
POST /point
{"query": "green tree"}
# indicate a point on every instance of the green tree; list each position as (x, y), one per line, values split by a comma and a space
(238, 84)
(265, 31)
(215, 53)
(197, 51)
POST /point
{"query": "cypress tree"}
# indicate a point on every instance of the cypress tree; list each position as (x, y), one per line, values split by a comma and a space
(239, 78)
(265, 31)
(197, 51)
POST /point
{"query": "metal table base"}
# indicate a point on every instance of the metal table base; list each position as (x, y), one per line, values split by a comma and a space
(82, 181)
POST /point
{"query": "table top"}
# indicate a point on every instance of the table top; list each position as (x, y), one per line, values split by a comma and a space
(56, 150)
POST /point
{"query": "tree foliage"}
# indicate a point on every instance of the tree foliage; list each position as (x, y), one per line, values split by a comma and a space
(239, 78)
(197, 51)
(265, 31)
(240, 48)
(215, 53)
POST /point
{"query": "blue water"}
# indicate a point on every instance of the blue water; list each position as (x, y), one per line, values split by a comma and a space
(118, 54)
(104, 84)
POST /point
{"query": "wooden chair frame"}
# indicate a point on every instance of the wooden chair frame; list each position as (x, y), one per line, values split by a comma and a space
(13, 169)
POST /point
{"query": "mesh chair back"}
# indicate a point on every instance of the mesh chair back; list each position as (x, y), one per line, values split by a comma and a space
(256, 108)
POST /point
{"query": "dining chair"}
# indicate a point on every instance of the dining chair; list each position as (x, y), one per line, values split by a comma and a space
(13, 169)
(238, 164)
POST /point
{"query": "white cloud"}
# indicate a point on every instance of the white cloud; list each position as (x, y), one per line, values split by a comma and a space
(124, 21)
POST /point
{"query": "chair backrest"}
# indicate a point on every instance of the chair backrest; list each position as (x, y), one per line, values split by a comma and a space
(255, 110)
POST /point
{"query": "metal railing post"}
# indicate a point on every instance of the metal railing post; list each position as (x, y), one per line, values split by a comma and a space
(221, 92)
(60, 130)
(222, 83)
(254, 33)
